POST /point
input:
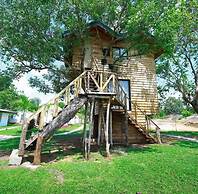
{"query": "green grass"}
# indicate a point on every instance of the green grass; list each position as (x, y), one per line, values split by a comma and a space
(17, 131)
(182, 133)
(9, 125)
(155, 169)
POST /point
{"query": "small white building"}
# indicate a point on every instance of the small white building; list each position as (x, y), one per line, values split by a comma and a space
(5, 115)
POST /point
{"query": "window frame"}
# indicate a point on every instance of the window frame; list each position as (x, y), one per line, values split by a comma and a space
(120, 57)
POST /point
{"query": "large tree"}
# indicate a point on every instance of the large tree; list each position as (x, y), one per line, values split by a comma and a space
(31, 32)
(179, 69)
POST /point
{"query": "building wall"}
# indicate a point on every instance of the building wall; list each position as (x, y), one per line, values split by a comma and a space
(4, 119)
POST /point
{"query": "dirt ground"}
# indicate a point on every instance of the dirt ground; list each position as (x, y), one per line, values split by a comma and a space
(172, 123)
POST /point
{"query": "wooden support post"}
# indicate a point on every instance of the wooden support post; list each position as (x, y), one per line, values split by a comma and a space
(37, 153)
(126, 127)
(42, 119)
(85, 132)
(23, 138)
(91, 124)
(104, 126)
(110, 127)
(107, 129)
(99, 124)
(158, 135)
(135, 111)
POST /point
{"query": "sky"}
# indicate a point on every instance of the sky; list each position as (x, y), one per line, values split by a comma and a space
(23, 86)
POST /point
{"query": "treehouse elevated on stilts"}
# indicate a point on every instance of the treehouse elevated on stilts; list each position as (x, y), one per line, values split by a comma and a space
(116, 85)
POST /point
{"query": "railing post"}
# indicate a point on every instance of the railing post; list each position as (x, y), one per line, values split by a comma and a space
(101, 81)
(135, 106)
(22, 139)
(114, 90)
(158, 135)
(42, 118)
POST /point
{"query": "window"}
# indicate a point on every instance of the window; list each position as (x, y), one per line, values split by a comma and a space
(119, 53)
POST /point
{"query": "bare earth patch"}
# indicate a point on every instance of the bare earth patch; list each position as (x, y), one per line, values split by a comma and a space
(173, 124)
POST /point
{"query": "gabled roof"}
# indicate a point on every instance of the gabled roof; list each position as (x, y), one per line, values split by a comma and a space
(106, 29)
(101, 25)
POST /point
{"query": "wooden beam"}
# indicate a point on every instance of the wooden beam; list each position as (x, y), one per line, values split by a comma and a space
(91, 124)
(37, 153)
(99, 123)
(107, 129)
(85, 132)
(126, 127)
(110, 127)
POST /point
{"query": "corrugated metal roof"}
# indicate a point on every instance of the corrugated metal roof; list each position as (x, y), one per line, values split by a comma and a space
(8, 111)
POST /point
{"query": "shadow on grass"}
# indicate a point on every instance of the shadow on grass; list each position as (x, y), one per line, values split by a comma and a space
(186, 144)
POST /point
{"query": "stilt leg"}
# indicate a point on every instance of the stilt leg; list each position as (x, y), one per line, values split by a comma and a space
(99, 124)
(107, 130)
(110, 127)
(90, 127)
(85, 132)
(126, 128)
(37, 153)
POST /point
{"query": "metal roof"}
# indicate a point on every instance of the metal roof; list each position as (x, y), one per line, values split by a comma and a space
(8, 111)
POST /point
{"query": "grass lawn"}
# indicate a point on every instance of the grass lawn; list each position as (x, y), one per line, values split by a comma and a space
(154, 169)
(9, 125)
(17, 131)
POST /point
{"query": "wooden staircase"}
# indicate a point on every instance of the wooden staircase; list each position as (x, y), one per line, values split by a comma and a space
(88, 85)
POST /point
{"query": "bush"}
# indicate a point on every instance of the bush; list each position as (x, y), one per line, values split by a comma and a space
(173, 106)
(186, 113)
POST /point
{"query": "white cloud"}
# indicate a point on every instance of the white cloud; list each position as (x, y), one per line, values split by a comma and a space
(23, 86)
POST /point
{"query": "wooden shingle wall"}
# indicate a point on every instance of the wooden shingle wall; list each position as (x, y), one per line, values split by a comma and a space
(140, 70)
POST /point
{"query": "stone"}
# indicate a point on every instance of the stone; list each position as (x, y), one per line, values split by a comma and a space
(14, 159)
(29, 165)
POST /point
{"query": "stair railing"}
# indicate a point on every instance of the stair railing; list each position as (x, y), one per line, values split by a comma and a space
(146, 128)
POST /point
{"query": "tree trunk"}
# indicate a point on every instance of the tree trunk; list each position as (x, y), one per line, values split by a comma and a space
(65, 116)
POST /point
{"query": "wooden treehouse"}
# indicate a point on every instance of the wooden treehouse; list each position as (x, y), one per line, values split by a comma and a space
(115, 84)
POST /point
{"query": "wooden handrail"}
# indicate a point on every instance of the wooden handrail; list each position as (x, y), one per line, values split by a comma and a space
(147, 117)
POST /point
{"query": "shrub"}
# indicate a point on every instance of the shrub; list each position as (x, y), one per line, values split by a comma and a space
(173, 106)
(186, 113)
